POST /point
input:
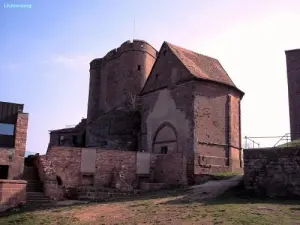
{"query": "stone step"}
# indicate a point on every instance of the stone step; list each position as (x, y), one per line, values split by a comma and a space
(37, 197)
(34, 189)
(39, 201)
(35, 193)
(33, 181)
(34, 186)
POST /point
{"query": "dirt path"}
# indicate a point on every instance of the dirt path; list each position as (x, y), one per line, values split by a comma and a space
(212, 189)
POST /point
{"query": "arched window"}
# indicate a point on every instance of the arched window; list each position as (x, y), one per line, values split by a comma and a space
(165, 139)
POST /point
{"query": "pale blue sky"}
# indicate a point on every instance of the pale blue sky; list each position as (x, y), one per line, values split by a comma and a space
(45, 52)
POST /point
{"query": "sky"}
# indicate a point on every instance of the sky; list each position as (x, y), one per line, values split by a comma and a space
(45, 52)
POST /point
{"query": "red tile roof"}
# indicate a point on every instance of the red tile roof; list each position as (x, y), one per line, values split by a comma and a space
(201, 66)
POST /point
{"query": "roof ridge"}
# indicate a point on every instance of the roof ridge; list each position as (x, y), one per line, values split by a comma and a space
(201, 66)
(188, 50)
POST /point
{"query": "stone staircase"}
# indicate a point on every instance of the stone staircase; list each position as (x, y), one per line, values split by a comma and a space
(34, 192)
(34, 188)
(37, 198)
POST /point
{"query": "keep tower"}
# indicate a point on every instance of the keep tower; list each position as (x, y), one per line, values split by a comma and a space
(118, 77)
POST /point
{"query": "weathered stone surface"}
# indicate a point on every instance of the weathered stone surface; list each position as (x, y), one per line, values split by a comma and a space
(114, 169)
(12, 193)
(273, 172)
(178, 102)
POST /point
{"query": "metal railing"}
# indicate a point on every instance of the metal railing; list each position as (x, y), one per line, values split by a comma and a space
(284, 141)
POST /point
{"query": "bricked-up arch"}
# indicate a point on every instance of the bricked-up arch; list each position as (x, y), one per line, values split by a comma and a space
(165, 139)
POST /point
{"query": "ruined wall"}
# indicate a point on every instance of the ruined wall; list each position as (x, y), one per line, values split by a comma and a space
(104, 169)
(272, 172)
(293, 75)
(12, 193)
(115, 130)
(68, 139)
(66, 163)
(73, 137)
(217, 127)
(110, 162)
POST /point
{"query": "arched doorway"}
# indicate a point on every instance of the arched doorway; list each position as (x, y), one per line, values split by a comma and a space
(165, 139)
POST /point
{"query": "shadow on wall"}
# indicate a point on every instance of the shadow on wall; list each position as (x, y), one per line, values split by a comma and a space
(236, 195)
(12, 194)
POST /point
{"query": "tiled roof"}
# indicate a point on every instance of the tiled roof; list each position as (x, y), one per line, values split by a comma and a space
(201, 66)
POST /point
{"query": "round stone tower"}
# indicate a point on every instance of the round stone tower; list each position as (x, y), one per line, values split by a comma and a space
(118, 77)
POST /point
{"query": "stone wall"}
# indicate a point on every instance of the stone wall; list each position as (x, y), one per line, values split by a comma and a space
(170, 169)
(167, 99)
(217, 128)
(12, 193)
(124, 70)
(272, 172)
(115, 130)
(66, 163)
(47, 175)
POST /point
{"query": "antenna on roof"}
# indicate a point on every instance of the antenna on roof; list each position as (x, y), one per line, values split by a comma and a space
(133, 29)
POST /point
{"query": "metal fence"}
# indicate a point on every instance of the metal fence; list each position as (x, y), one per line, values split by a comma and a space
(269, 141)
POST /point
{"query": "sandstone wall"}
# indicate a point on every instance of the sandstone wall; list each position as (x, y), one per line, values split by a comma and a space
(115, 81)
(110, 162)
(217, 128)
(121, 73)
(65, 163)
(12, 193)
(115, 130)
(272, 172)
(170, 169)
(167, 100)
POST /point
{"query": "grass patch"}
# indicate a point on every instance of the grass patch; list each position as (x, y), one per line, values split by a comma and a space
(224, 175)
(295, 143)
(235, 206)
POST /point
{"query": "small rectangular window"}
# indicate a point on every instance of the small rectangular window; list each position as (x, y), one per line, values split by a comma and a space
(3, 172)
(7, 129)
(164, 150)
(74, 137)
(61, 140)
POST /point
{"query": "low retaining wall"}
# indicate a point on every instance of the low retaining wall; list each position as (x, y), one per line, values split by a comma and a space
(273, 172)
(61, 169)
(12, 193)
